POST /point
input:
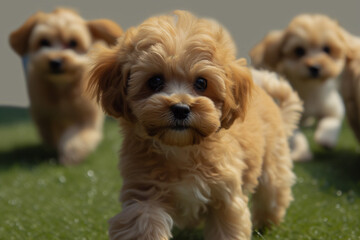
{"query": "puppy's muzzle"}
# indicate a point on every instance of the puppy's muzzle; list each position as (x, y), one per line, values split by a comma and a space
(56, 65)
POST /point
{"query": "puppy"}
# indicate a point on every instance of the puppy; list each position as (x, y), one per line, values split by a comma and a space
(53, 47)
(199, 136)
(350, 86)
(311, 53)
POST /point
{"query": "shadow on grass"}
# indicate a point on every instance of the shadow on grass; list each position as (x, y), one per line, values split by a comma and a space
(335, 170)
(11, 115)
(26, 157)
(188, 234)
(197, 234)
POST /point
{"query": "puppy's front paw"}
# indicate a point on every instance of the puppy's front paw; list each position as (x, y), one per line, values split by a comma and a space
(301, 156)
(141, 221)
(325, 141)
(326, 137)
(72, 151)
(327, 132)
(76, 144)
(71, 156)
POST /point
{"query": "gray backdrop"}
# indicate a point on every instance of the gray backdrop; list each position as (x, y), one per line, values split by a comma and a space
(248, 21)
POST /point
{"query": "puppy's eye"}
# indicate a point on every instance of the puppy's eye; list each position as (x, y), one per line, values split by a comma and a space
(156, 83)
(200, 84)
(299, 51)
(44, 43)
(72, 43)
(327, 49)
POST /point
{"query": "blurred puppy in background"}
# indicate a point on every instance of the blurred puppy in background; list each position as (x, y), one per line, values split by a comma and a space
(54, 47)
(350, 86)
(199, 136)
(311, 53)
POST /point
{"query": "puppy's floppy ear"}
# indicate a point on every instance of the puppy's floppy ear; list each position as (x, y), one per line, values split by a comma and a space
(267, 53)
(351, 42)
(105, 29)
(108, 80)
(238, 92)
(19, 38)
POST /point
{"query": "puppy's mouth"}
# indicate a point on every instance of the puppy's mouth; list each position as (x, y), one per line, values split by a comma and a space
(152, 131)
(177, 134)
(63, 74)
(179, 127)
(57, 71)
(317, 78)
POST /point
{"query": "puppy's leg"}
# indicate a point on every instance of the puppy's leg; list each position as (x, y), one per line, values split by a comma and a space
(47, 131)
(300, 149)
(77, 142)
(329, 127)
(327, 131)
(273, 194)
(229, 222)
(141, 221)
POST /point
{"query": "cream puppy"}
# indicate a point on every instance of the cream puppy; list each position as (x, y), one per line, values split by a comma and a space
(311, 53)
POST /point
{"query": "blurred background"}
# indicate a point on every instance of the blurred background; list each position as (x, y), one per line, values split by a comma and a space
(248, 22)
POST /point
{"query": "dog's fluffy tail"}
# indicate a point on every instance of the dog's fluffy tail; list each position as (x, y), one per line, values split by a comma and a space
(280, 90)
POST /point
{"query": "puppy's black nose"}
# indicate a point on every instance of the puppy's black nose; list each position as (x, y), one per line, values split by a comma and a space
(180, 111)
(56, 64)
(314, 70)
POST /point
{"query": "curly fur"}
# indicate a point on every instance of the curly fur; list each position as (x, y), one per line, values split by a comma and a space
(310, 53)
(66, 119)
(232, 143)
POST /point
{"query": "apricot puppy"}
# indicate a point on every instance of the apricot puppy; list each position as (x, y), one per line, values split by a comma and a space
(199, 136)
(350, 86)
(54, 47)
(311, 53)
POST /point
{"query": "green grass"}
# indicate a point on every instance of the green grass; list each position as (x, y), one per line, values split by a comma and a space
(42, 200)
